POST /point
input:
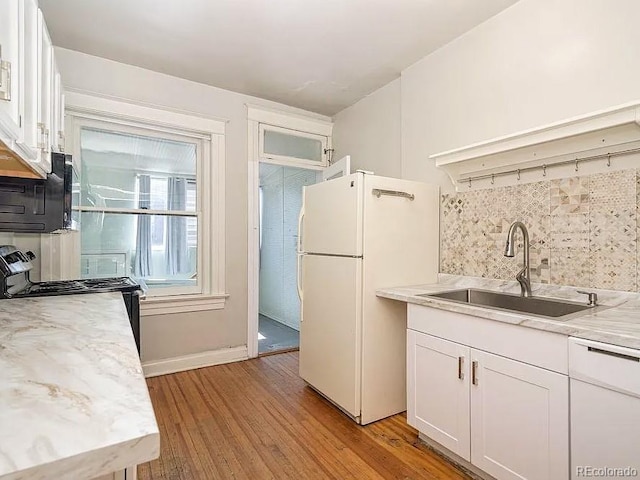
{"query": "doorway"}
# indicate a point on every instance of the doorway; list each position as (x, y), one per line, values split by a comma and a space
(280, 201)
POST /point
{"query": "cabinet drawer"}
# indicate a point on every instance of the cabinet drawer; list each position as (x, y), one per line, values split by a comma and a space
(536, 347)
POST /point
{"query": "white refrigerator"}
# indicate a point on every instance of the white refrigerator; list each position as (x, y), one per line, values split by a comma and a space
(358, 233)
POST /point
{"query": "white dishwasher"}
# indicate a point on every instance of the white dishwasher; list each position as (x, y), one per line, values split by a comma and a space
(605, 410)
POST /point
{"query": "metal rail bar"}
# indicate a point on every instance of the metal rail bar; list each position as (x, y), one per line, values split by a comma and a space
(544, 167)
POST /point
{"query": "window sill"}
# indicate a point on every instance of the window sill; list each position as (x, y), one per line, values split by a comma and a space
(181, 304)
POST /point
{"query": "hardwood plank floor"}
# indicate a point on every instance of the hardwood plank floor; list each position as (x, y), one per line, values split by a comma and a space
(258, 420)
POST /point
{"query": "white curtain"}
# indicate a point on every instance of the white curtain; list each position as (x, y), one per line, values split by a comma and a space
(142, 266)
(177, 253)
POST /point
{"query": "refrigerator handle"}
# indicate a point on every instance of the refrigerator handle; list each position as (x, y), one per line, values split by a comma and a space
(299, 275)
(299, 253)
(300, 219)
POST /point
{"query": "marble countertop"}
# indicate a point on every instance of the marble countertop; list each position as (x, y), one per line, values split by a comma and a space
(74, 403)
(618, 325)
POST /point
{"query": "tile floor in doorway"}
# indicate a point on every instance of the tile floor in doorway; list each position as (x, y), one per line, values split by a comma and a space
(274, 336)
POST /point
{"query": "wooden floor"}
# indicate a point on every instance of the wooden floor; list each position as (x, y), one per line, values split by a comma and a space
(257, 420)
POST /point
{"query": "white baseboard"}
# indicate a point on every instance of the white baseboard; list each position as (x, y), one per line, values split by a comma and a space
(196, 360)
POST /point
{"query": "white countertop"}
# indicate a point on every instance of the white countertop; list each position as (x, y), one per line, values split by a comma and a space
(619, 325)
(74, 403)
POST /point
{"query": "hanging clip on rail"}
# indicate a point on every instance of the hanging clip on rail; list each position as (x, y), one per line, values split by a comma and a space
(544, 167)
(392, 193)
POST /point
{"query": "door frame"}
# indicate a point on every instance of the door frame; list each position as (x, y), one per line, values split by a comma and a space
(256, 116)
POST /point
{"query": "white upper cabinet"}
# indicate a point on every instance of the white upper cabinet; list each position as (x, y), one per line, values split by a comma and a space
(45, 93)
(11, 71)
(31, 94)
(31, 29)
(57, 137)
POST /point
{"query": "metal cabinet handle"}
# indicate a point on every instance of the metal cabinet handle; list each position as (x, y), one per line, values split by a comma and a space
(5, 79)
(474, 372)
(41, 144)
(460, 372)
(44, 135)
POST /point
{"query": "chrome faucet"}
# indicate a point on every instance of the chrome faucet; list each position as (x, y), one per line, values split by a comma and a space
(524, 276)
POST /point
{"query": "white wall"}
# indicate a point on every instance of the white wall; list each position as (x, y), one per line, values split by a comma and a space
(166, 336)
(369, 131)
(537, 62)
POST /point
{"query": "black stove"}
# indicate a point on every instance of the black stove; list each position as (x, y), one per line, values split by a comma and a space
(65, 287)
(15, 283)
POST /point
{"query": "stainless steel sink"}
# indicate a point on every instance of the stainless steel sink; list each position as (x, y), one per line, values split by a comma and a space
(505, 301)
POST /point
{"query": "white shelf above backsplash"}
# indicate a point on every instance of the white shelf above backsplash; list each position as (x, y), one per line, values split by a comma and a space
(605, 131)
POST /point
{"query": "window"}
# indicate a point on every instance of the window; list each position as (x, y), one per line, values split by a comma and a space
(133, 198)
(143, 207)
(294, 147)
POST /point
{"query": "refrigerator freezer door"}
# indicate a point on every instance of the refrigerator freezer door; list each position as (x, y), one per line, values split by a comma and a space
(332, 221)
(330, 334)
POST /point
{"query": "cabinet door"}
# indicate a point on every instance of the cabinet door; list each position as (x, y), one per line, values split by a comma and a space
(45, 93)
(32, 97)
(519, 419)
(11, 70)
(57, 137)
(438, 390)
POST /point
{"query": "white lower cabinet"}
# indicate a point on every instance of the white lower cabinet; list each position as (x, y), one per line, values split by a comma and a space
(438, 391)
(508, 418)
(519, 419)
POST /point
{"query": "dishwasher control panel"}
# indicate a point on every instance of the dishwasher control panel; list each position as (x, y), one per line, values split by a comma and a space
(610, 366)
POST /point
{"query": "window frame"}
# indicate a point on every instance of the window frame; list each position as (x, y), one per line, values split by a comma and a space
(287, 160)
(98, 112)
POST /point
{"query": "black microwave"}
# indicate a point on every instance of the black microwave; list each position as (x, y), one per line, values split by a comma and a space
(39, 205)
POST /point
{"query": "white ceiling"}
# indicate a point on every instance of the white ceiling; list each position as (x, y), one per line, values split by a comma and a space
(320, 55)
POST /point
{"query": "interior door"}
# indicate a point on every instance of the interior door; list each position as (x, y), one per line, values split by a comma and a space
(519, 419)
(332, 217)
(341, 168)
(330, 328)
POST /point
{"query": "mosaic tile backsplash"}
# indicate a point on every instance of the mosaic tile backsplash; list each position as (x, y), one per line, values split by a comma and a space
(583, 231)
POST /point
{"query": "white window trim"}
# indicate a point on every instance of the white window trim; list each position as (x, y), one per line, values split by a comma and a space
(256, 116)
(291, 121)
(211, 256)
